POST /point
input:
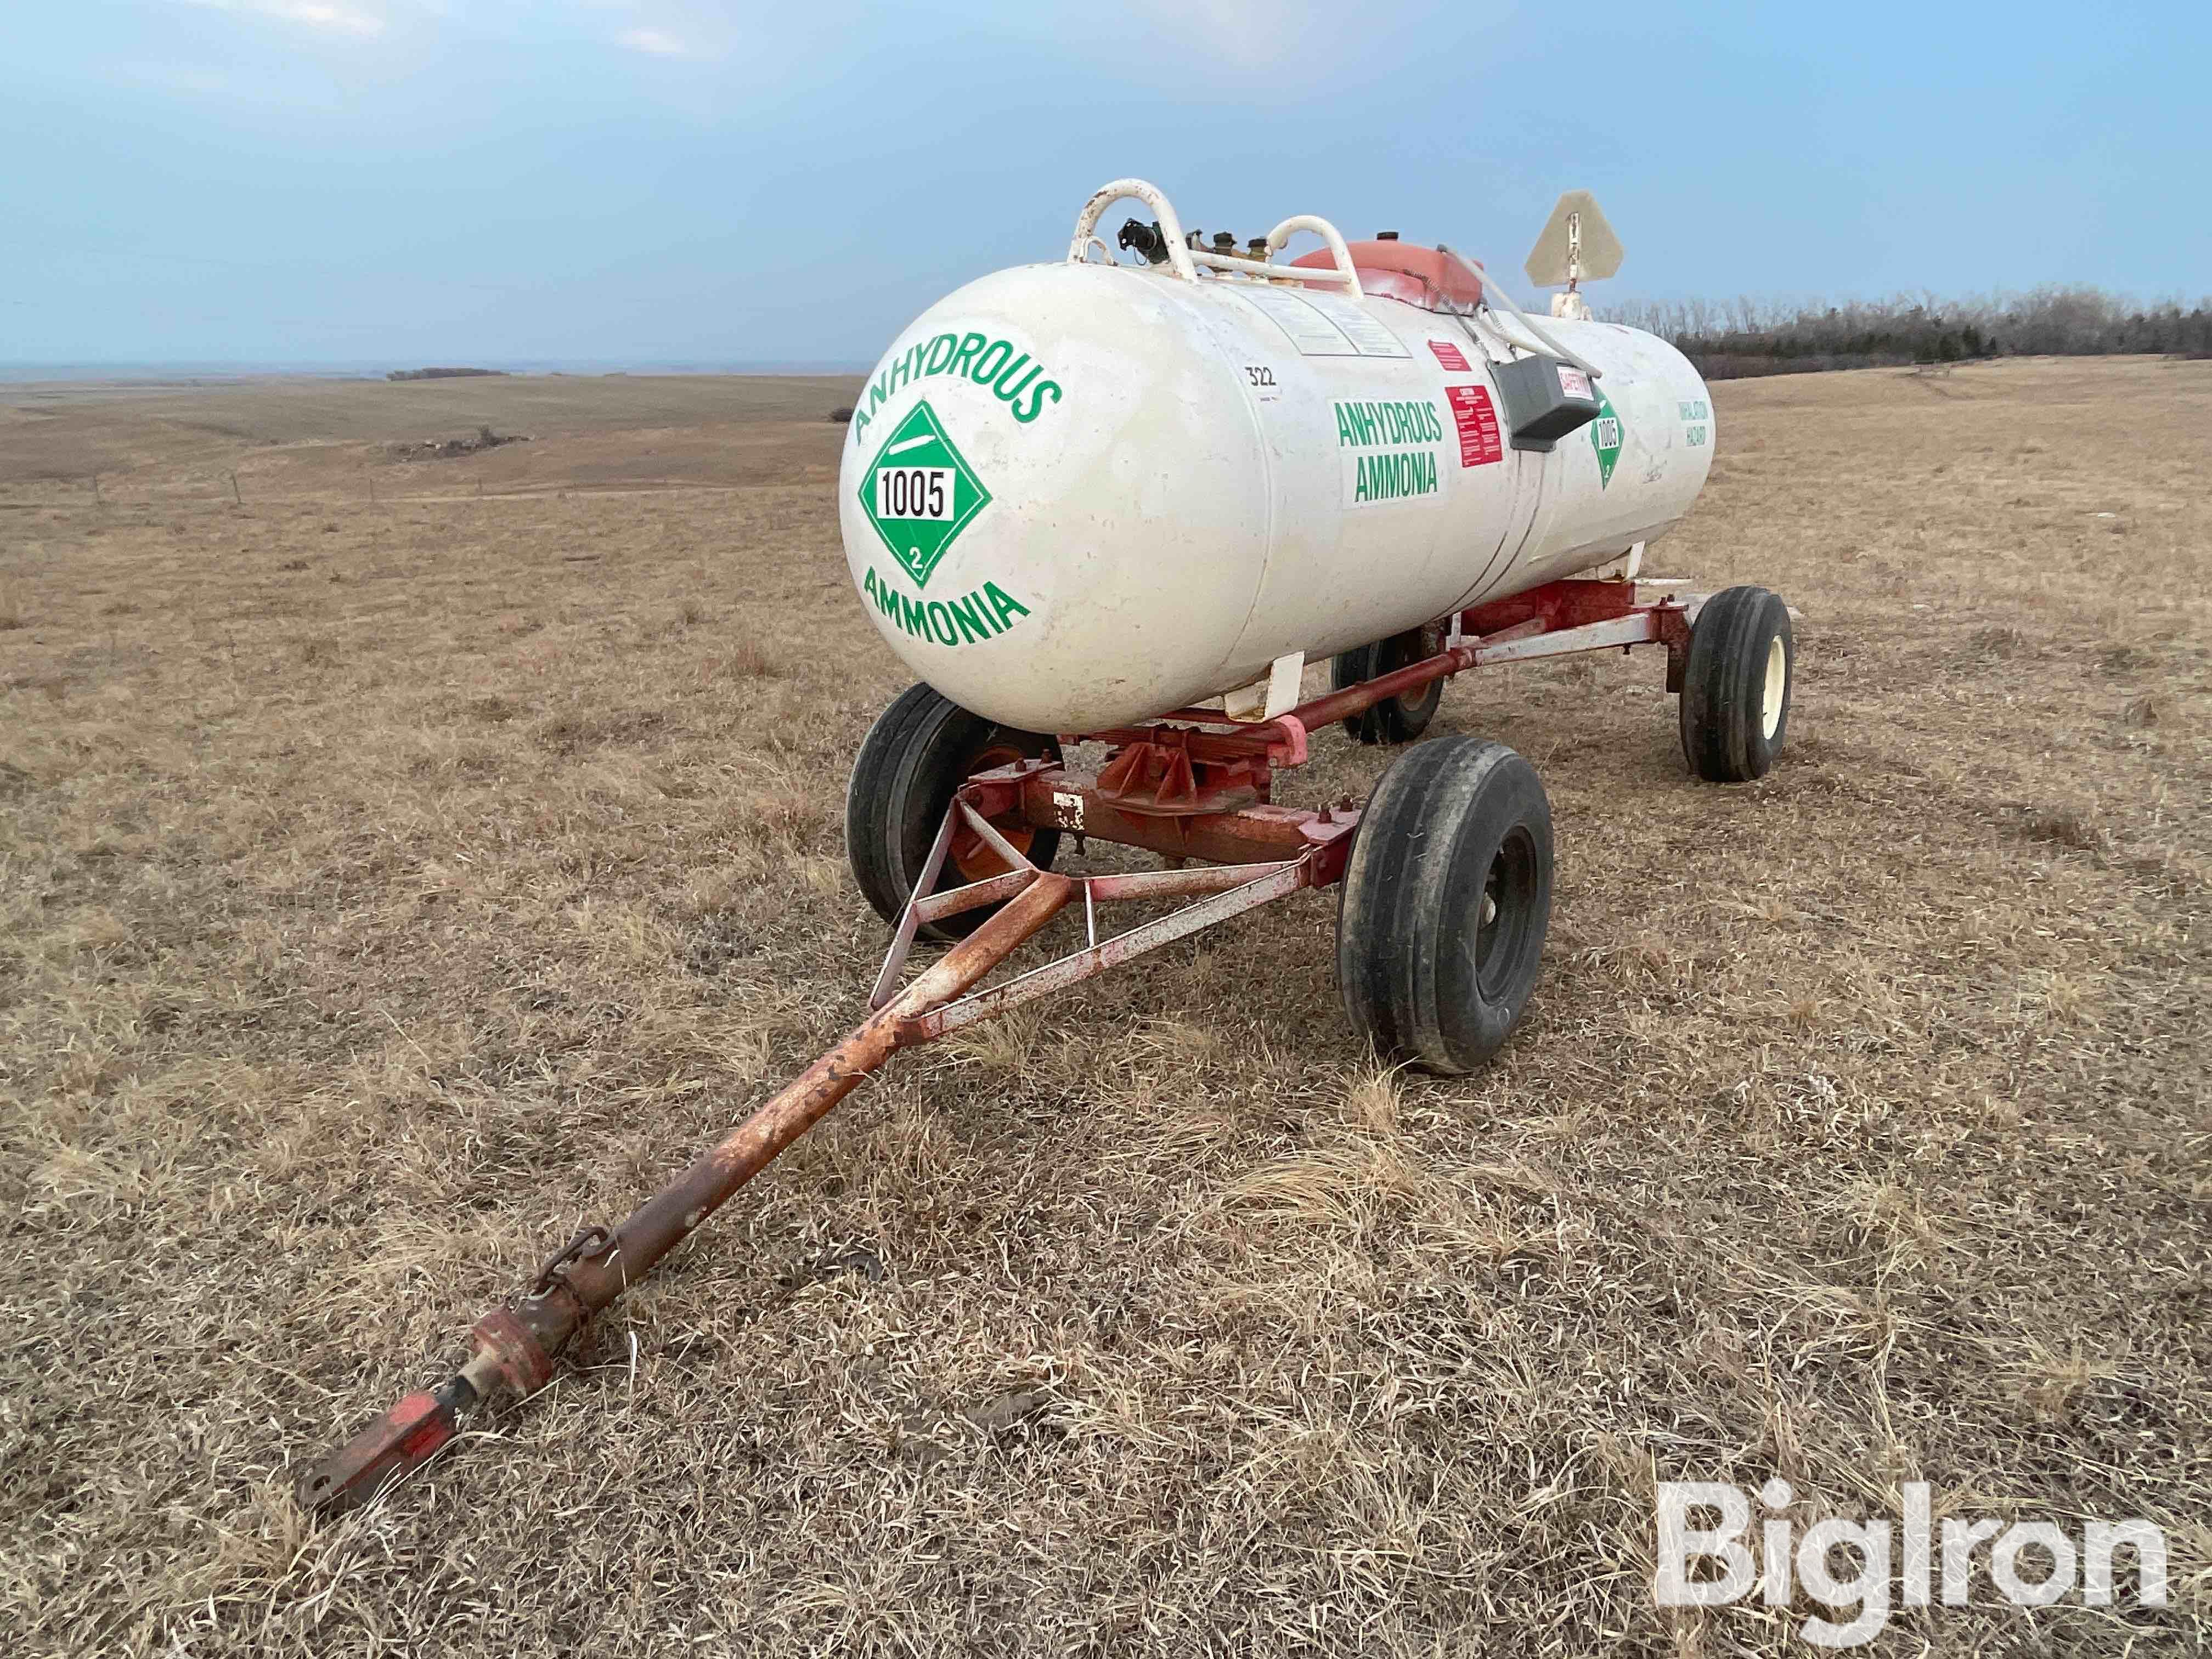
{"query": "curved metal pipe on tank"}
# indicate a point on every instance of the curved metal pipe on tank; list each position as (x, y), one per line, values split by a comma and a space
(1185, 259)
(1153, 198)
(1279, 238)
(1490, 290)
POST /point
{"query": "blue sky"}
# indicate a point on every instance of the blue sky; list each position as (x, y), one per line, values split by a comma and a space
(657, 181)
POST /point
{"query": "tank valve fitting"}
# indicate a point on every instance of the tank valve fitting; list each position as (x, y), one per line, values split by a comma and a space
(1145, 239)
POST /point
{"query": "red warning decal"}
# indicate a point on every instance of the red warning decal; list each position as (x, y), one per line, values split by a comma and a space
(1449, 356)
(1478, 441)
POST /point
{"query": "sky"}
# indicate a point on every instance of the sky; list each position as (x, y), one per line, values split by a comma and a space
(660, 181)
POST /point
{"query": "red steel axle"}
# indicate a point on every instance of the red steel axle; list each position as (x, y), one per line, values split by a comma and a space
(1166, 767)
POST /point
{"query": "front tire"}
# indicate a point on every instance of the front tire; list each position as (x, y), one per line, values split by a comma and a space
(920, 750)
(1736, 685)
(1445, 902)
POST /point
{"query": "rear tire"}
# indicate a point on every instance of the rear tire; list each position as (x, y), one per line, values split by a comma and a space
(1736, 685)
(1445, 900)
(916, 754)
(1399, 720)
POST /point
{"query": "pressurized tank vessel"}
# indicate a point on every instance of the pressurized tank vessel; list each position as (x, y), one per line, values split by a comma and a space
(1077, 495)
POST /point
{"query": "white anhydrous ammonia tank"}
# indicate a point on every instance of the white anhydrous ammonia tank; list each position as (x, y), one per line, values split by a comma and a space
(1075, 495)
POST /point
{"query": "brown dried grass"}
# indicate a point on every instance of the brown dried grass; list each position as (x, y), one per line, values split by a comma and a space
(388, 889)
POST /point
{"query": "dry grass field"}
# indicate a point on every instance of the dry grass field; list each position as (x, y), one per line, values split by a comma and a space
(388, 887)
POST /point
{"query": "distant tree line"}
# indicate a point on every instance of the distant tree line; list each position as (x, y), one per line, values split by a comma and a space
(1742, 337)
(438, 373)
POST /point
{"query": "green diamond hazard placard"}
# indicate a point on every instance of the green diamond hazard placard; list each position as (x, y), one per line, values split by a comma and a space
(919, 493)
(1604, 438)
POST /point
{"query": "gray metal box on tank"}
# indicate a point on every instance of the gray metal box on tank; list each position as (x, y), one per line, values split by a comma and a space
(1545, 400)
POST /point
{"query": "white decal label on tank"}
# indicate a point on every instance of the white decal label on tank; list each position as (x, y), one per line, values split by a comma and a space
(1313, 334)
(1361, 326)
(1390, 449)
(1573, 382)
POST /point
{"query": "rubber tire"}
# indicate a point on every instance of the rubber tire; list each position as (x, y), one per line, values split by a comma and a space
(1723, 686)
(1399, 720)
(1418, 977)
(914, 756)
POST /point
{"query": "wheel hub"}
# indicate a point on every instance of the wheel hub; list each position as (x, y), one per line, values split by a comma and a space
(976, 858)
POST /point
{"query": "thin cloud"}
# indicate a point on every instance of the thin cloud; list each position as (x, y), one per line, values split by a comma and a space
(1242, 33)
(1280, 41)
(330, 16)
(658, 42)
(1301, 42)
(701, 30)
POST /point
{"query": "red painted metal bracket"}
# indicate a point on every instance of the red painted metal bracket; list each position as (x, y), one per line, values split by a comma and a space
(1199, 761)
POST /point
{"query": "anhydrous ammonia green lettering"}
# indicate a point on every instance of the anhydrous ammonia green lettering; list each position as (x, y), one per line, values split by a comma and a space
(982, 613)
(1394, 475)
(1396, 470)
(1011, 375)
(1369, 424)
